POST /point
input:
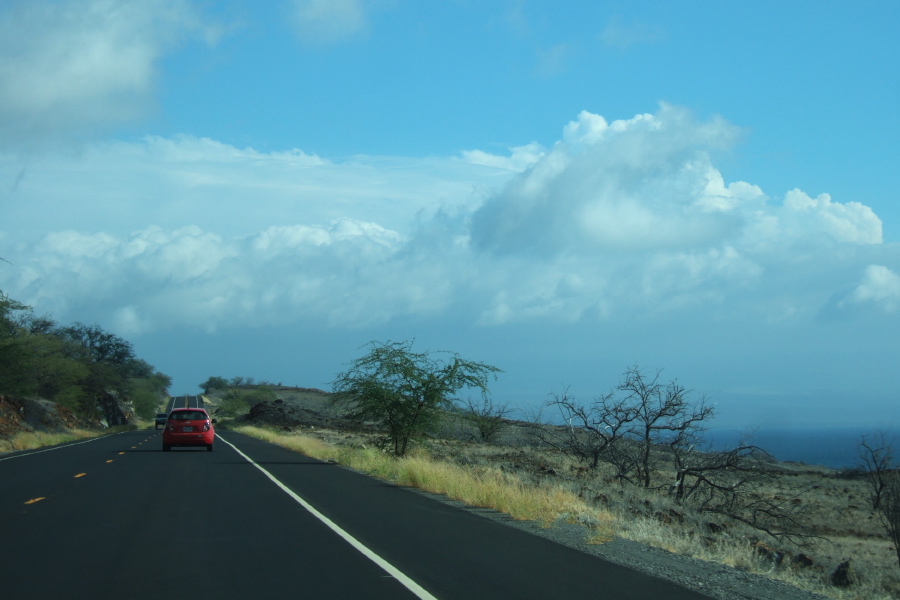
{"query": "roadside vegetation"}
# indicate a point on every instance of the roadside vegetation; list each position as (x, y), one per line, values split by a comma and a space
(484, 486)
(404, 392)
(30, 440)
(532, 482)
(237, 395)
(629, 463)
(90, 372)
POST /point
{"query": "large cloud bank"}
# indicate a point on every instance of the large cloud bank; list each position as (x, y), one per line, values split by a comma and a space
(621, 219)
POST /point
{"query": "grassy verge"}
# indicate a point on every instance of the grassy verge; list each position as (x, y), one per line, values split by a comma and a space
(483, 487)
(29, 440)
(36, 439)
(532, 485)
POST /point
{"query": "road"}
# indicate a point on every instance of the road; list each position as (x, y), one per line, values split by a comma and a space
(117, 518)
(184, 402)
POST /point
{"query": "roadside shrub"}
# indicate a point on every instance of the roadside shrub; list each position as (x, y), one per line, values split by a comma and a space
(234, 404)
(238, 402)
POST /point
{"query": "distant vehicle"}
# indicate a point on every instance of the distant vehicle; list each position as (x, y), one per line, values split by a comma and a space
(188, 427)
(161, 419)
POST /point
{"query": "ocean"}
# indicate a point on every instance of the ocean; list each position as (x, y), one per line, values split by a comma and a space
(834, 447)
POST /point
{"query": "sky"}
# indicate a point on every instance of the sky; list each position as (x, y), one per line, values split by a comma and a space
(562, 190)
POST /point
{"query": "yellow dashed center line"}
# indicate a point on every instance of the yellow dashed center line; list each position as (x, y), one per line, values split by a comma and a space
(80, 475)
(121, 453)
(33, 500)
(109, 461)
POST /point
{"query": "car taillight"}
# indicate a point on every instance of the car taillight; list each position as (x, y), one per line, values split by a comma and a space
(206, 426)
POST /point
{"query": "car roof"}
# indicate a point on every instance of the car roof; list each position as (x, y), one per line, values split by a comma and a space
(175, 410)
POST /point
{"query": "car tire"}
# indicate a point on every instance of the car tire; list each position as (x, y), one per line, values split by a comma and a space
(209, 447)
(166, 447)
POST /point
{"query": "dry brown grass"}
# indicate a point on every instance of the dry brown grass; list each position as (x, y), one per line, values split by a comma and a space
(485, 487)
(29, 440)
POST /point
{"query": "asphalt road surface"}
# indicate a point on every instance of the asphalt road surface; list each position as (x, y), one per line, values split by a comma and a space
(117, 518)
(184, 402)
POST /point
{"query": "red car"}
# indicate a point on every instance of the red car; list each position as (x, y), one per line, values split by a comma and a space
(188, 427)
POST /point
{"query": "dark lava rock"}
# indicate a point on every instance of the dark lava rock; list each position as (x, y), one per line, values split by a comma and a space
(285, 414)
(844, 575)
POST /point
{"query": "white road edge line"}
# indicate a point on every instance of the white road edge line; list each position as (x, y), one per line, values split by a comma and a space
(65, 445)
(411, 585)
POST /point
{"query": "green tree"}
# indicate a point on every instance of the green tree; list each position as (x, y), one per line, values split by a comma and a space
(110, 359)
(75, 366)
(48, 372)
(876, 453)
(148, 389)
(8, 310)
(214, 383)
(405, 392)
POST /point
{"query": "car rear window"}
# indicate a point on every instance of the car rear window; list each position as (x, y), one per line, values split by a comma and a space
(188, 415)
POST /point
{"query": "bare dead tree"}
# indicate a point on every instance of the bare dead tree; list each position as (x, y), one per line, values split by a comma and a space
(875, 455)
(727, 483)
(890, 507)
(883, 476)
(629, 428)
(646, 428)
(488, 418)
(665, 415)
(588, 432)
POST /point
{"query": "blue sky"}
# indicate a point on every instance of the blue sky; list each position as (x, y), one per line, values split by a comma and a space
(559, 189)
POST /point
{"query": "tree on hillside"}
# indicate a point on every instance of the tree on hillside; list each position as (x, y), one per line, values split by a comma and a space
(486, 417)
(627, 427)
(405, 392)
(8, 309)
(883, 476)
(98, 346)
(147, 389)
(592, 433)
(76, 366)
(214, 383)
(35, 361)
(890, 509)
(109, 359)
(875, 454)
(729, 483)
(651, 433)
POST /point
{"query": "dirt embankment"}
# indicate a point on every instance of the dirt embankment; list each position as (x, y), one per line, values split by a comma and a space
(26, 415)
(19, 415)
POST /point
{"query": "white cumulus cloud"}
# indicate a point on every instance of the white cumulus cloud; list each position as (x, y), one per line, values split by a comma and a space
(880, 286)
(74, 66)
(328, 21)
(619, 219)
(851, 222)
(631, 184)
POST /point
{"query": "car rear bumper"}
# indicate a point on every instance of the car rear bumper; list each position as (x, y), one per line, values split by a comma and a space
(188, 439)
